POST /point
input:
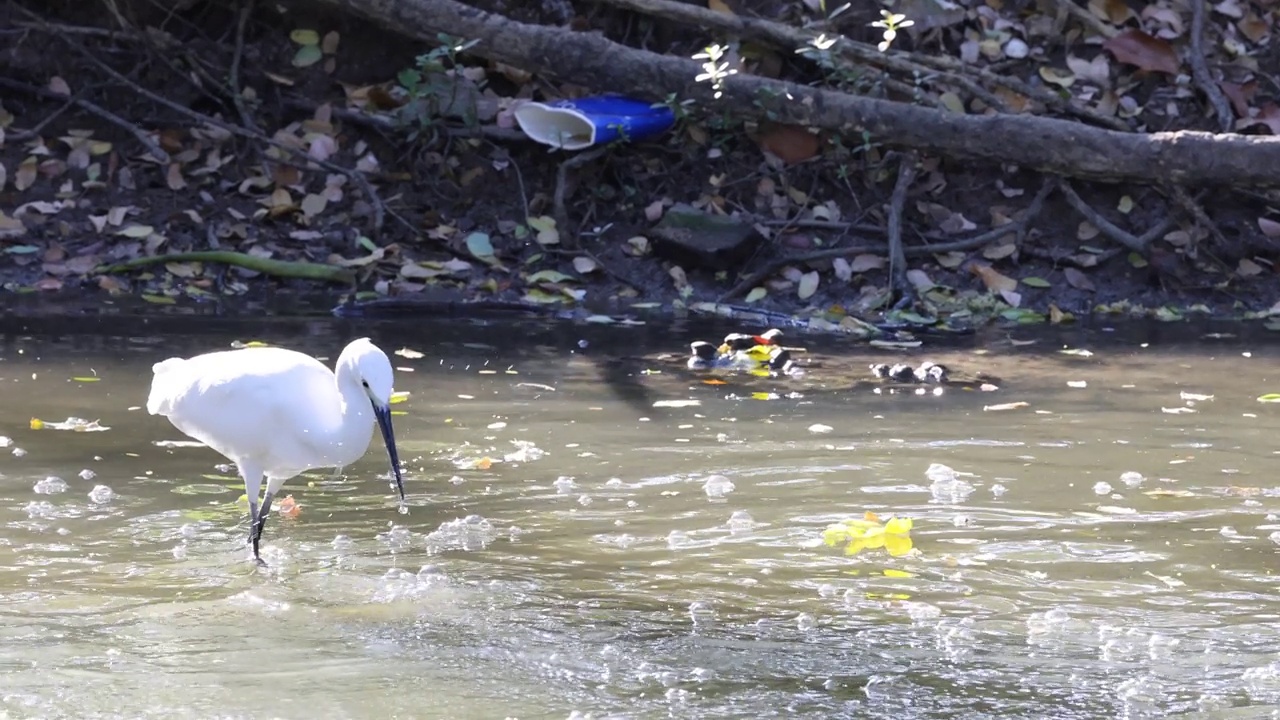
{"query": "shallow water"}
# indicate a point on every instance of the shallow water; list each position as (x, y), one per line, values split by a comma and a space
(565, 556)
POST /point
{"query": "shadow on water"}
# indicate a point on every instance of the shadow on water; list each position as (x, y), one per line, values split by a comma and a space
(1105, 551)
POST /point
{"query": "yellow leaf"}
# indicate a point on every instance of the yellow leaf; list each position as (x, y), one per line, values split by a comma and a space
(36, 423)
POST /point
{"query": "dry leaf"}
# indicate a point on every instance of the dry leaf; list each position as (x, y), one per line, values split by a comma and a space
(1270, 228)
(1006, 406)
(842, 269)
(994, 281)
(1148, 53)
(1077, 279)
(808, 285)
(999, 252)
(25, 177)
(173, 178)
(1248, 268)
(790, 143)
(866, 262)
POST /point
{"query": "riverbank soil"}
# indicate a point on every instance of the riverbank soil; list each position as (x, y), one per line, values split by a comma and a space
(211, 149)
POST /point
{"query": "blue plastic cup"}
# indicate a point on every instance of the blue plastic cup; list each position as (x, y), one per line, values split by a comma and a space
(581, 123)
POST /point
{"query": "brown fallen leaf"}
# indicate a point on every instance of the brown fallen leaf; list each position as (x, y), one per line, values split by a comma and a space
(790, 143)
(1148, 53)
(25, 177)
(994, 281)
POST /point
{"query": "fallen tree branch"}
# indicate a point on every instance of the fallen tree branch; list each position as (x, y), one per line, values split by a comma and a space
(267, 266)
(910, 64)
(1060, 147)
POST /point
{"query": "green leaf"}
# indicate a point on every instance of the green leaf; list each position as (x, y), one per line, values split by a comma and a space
(1136, 260)
(1168, 314)
(307, 56)
(1269, 398)
(158, 299)
(303, 36)
(366, 243)
(1022, 315)
(478, 245)
(757, 294)
(1036, 282)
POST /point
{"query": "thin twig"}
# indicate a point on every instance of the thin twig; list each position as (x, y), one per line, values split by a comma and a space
(897, 202)
(1200, 69)
(562, 185)
(39, 127)
(156, 151)
(233, 77)
(1105, 226)
(379, 207)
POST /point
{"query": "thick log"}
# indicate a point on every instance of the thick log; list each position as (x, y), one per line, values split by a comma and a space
(1056, 146)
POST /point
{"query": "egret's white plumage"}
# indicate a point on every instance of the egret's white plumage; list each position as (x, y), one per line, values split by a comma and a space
(277, 412)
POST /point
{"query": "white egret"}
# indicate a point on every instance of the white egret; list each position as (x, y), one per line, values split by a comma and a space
(277, 413)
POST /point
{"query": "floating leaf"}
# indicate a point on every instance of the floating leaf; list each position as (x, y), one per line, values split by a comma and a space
(408, 353)
(1269, 398)
(1006, 406)
(158, 299)
(757, 294)
(87, 379)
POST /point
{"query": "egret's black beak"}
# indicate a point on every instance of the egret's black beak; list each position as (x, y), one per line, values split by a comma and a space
(389, 437)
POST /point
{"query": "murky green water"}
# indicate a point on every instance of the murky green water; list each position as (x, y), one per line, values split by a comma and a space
(563, 557)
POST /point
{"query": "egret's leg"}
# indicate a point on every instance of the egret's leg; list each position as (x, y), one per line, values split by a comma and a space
(273, 487)
(252, 475)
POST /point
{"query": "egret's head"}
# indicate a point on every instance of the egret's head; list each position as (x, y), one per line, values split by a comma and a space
(373, 370)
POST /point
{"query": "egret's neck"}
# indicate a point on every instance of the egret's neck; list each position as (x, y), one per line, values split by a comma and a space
(351, 437)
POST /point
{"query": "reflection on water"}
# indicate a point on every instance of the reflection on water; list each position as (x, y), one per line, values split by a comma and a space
(574, 550)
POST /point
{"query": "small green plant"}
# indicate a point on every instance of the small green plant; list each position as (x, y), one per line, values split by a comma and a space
(891, 23)
(714, 70)
(431, 87)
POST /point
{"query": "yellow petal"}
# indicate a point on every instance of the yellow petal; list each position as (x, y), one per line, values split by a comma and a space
(897, 545)
(898, 526)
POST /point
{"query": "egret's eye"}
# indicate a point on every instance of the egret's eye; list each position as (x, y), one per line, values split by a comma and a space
(365, 383)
